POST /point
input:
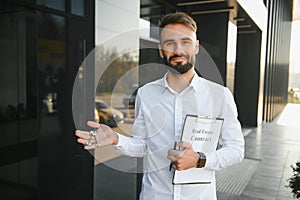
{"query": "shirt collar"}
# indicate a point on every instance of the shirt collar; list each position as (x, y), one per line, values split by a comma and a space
(194, 82)
(165, 85)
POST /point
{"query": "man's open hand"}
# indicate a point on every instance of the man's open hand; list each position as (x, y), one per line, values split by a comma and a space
(104, 136)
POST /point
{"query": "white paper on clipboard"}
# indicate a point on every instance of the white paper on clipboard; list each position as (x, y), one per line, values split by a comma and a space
(203, 133)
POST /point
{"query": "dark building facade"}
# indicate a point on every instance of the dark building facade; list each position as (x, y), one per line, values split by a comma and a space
(43, 45)
(277, 57)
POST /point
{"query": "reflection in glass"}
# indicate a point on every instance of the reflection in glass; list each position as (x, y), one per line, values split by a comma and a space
(117, 83)
(55, 4)
(116, 76)
(53, 107)
(77, 7)
(17, 77)
(51, 59)
(18, 110)
(116, 37)
(231, 55)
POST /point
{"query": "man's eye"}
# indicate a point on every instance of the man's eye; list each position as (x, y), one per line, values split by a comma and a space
(186, 42)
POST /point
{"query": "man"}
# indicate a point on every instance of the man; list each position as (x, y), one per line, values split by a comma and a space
(161, 107)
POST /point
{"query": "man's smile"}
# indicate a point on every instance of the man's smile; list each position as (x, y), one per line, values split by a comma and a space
(177, 58)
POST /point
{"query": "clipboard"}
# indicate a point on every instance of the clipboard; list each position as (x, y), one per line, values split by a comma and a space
(203, 133)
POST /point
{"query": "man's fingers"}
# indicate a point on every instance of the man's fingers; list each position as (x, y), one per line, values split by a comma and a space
(93, 124)
(81, 141)
(172, 158)
(173, 155)
(174, 166)
(184, 145)
(89, 147)
(82, 134)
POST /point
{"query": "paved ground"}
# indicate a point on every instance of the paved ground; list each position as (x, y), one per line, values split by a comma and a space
(277, 146)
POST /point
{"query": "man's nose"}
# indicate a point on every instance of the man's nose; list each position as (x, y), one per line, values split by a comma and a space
(178, 49)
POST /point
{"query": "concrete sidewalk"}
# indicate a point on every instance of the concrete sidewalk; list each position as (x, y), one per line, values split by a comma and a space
(274, 147)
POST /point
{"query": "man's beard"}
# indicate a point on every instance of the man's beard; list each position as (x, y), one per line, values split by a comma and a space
(178, 68)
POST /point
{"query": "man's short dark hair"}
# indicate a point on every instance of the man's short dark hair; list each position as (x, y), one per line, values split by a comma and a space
(178, 18)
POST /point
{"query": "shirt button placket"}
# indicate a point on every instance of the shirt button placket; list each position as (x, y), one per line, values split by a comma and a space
(178, 127)
(178, 118)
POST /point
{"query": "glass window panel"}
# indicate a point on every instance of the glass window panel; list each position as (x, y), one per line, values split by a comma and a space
(231, 55)
(17, 78)
(51, 59)
(18, 110)
(52, 87)
(55, 4)
(77, 7)
(116, 76)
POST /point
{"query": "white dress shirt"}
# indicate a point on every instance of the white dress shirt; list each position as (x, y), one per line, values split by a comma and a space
(159, 117)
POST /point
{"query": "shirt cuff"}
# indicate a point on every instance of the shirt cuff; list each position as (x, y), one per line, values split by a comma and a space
(121, 140)
(210, 160)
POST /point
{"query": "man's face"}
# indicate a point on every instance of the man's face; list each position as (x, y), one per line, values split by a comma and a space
(178, 47)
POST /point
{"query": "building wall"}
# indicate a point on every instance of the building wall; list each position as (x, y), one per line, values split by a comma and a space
(277, 58)
(212, 34)
(247, 75)
(41, 45)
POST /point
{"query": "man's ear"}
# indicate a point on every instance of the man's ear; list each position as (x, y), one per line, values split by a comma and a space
(197, 47)
(160, 51)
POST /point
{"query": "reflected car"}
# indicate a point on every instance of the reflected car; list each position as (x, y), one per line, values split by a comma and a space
(108, 115)
(129, 99)
(295, 92)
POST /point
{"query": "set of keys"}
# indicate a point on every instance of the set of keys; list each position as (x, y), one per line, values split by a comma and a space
(93, 138)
